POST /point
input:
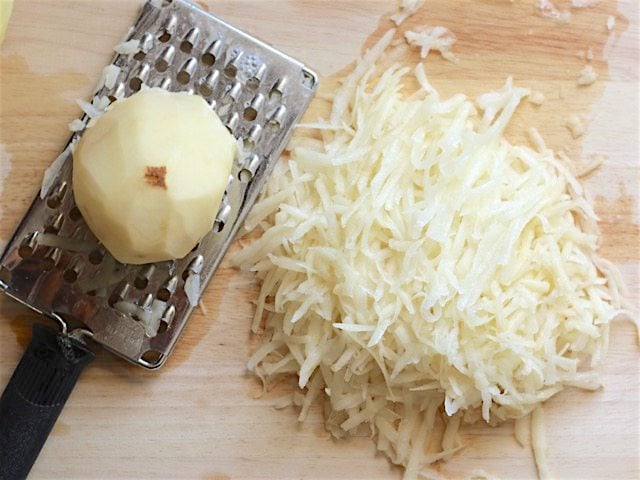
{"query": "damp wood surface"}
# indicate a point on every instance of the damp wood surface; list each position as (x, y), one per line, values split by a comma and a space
(199, 417)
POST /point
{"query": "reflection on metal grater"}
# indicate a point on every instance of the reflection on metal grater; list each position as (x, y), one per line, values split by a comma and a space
(55, 265)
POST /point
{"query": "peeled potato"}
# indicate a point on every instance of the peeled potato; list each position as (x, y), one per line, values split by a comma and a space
(5, 14)
(149, 175)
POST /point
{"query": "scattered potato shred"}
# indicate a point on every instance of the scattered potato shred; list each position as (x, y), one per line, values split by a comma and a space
(420, 271)
(546, 8)
(611, 23)
(537, 98)
(407, 8)
(587, 76)
(576, 126)
(438, 39)
(128, 47)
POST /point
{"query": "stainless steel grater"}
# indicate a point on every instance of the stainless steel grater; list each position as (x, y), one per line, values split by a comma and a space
(55, 265)
(139, 312)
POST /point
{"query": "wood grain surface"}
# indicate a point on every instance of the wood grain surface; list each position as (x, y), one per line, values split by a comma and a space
(198, 417)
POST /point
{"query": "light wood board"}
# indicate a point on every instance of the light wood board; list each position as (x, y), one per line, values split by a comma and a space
(197, 417)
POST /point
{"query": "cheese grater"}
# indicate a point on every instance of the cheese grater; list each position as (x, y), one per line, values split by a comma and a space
(54, 264)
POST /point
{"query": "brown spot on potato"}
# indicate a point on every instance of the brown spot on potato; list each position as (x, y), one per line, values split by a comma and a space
(155, 176)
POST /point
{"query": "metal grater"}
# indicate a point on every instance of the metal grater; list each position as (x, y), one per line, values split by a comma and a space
(258, 92)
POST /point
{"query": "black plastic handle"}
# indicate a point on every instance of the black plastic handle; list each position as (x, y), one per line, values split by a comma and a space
(35, 395)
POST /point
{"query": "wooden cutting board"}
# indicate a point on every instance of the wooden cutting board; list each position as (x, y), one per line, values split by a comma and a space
(198, 417)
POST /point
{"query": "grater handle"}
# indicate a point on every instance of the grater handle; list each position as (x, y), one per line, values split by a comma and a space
(35, 396)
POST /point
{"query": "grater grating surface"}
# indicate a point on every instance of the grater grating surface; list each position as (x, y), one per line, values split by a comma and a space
(139, 312)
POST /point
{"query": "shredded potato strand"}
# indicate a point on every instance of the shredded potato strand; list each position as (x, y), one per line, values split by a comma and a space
(407, 8)
(415, 265)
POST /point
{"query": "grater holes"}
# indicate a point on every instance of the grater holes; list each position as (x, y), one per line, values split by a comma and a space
(251, 140)
(183, 78)
(144, 276)
(74, 214)
(28, 246)
(250, 114)
(54, 223)
(161, 65)
(51, 259)
(54, 201)
(230, 71)
(231, 68)
(254, 82)
(168, 315)
(118, 93)
(165, 59)
(55, 198)
(186, 46)
(119, 294)
(168, 28)
(232, 122)
(205, 90)
(96, 256)
(275, 94)
(165, 320)
(135, 84)
(274, 124)
(70, 276)
(194, 267)
(163, 83)
(186, 72)
(190, 39)
(139, 77)
(144, 303)
(233, 93)
(139, 56)
(79, 232)
(223, 216)
(73, 270)
(168, 289)
(249, 168)
(277, 117)
(164, 295)
(208, 59)
(185, 274)
(277, 91)
(251, 111)
(146, 45)
(211, 54)
(208, 83)
(245, 175)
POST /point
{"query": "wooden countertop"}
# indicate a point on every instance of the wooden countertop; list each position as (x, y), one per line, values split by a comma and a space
(197, 417)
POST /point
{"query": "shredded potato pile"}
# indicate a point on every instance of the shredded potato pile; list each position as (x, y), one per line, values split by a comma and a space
(418, 268)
